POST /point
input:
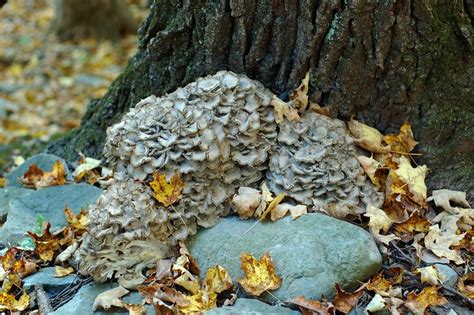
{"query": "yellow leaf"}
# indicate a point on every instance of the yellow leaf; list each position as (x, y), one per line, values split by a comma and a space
(259, 274)
(466, 285)
(299, 97)
(272, 205)
(345, 301)
(370, 166)
(199, 302)
(77, 221)
(60, 272)
(8, 301)
(218, 279)
(135, 309)
(379, 220)
(431, 275)
(3, 182)
(404, 142)
(37, 178)
(167, 192)
(367, 137)
(414, 178)
(283, 110)
(415, 223)
(418, 303)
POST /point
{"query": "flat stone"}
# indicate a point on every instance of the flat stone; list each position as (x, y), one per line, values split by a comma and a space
(46, 277)
(48, 202)
(311, 254)
(83, 300)
(251, 307)
(7, 194)
(450, 274)
(43, 161)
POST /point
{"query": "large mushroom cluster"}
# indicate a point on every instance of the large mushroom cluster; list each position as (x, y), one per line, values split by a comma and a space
(219, 133)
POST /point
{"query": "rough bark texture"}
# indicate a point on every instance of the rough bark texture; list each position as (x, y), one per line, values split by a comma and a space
(104, 19)
(383, 61)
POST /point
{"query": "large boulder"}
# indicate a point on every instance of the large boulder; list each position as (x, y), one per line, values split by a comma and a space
(49, 202)
(311, 254)
(7, 194)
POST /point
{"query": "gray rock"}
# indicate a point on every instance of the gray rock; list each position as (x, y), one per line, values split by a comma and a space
(81, 303)
(7, 194)
(48, 202)
(451, 275)
(251, 307)
(43, 161)
(311, 254)
(46, 277)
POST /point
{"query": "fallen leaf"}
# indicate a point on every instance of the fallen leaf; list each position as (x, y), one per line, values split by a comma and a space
(345, 301)
(299, 96)
(370, 166)
(199, 302)
(383, 286)
(404, 142)
(246, 201)
(466, 285)
(47, 245)
(60, 272)
(77, 221)
(415, 223)
(282, 209)
(319, 308)
(67, 253)
(431, 275)
(376, 304)
(3, 182)
(441, 241)
(378, 219)
(414, 178)
(275, 202)
(259, 274)
(8, 301)
(443, 198)
(218, 279)
(37, 178)
(110, 298)
(87, 164)
(135, 309)
(418, 303)
(283, 110)
(325, 111)
(167, 192)
(367, 137)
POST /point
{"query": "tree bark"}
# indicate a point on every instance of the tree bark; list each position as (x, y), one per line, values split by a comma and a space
(103, 19)
(382, 61)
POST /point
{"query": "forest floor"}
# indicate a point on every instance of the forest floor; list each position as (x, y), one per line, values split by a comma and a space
(45, 84)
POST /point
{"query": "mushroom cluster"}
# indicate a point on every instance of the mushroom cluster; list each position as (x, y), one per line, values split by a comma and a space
(219, 133)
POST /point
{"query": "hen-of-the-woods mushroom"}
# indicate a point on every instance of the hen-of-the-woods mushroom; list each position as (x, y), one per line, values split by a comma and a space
(219, 133)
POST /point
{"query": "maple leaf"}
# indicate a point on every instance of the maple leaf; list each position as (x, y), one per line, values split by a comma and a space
(3, 182)
(37, 178)
(47, 245)
(167, 192)
(443, 198)
(282, 209)
(367, 137)
(415, 223)
(14, 262)
(466, 285)
(218, 279)
(8, 301)
(199, 302)
(317, 307)
(259, 274)
(345, 301)
(110, 298)
(77, 221)
(404, 142)
(414, 178)
(431, 275)
(418, 303)
(383, 286)
(370, 166)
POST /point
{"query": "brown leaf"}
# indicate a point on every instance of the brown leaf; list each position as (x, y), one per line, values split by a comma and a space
(299, 97)
(466, 285)
(404, 142)
(418, 303)
(259, 274)
(8, 301)
(415, 224)
(167, 192)
(345, 301)
(47, 245)
(317, 307)
(37, 178)
(77, 221)
(325, 111)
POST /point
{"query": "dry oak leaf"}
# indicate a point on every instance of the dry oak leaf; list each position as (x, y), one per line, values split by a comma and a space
(283, 110)
(345, 301)
(414, 178)
(404, 142)
(60, 271)
(443, 198)
(466, 285)
(37, 178)
(417, 303)
(282, 209)
(259, 274)
(367, 137)
(110, 298)
(218, 279)
(313, 307)
(8, 301)
(431, 275)
(167, 192)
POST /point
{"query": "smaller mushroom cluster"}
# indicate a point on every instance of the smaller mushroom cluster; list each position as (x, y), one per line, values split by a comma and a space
(315, 163)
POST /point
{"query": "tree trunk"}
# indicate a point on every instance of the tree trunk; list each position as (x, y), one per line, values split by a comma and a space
(103, 19)
(382, 61)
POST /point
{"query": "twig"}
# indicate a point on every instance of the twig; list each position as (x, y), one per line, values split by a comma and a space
(464, 298)
(408, 258)
(44, 304)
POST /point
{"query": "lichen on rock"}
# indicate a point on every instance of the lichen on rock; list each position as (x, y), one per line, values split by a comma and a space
(219, 133)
